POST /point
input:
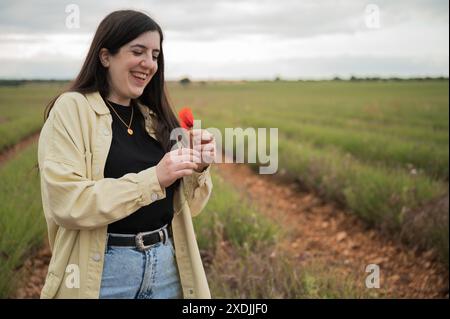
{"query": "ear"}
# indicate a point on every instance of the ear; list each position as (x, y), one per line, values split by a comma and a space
(103, 55)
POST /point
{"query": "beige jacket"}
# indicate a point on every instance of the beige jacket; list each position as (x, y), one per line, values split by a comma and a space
(79, 202)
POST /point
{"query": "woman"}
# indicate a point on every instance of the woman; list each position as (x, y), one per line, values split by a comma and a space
(117, 199)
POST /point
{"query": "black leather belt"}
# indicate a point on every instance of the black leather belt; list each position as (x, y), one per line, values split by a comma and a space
(142, 241)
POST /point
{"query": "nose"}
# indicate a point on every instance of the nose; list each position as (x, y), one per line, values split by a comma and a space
(149, 63)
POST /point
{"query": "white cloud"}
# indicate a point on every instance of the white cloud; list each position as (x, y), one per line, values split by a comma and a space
(241, 39)
(37, 46)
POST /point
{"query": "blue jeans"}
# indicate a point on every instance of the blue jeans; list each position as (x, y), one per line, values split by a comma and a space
(132, 274)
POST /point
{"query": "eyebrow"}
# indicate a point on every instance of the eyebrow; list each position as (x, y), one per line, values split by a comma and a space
(144, 47)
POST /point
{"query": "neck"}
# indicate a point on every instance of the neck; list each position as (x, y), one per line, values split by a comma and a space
(118, 99)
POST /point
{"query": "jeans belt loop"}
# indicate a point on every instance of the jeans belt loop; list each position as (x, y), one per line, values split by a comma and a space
(162, 235)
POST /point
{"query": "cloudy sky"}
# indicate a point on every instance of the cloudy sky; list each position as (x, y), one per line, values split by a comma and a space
(240, 39)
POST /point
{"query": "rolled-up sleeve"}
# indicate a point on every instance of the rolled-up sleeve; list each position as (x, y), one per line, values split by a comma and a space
(77, 203)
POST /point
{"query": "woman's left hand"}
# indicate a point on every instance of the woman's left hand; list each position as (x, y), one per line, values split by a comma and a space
(204, 142)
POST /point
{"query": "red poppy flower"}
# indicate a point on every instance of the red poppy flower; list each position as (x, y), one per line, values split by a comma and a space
(186, 118)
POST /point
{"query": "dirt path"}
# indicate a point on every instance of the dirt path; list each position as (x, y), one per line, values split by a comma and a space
(319, 232)
(7, 154)
(34, 271)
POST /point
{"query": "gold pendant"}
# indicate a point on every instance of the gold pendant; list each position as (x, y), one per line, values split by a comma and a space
(130, 131)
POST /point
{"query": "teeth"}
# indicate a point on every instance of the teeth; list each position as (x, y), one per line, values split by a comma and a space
(140, 75)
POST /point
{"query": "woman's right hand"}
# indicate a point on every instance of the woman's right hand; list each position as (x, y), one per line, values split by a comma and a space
(176, 164)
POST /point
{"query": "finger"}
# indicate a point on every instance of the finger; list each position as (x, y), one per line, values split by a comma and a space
(184, 172)
(204, 147)
(190, 151)
(185, 165)
(196, 131)
(188, 156)
(175, 153)
(208, 140)
(187, 159)
(208, 157)
(201, 135)
(184, 151)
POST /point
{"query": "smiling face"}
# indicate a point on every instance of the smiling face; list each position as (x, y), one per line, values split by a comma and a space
(132, 68)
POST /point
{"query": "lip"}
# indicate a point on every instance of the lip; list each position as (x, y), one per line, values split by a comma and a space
(137, 80)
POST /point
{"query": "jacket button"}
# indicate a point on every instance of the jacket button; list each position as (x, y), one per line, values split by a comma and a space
(96, 257)
(96, 170)
(105, 131)
(154, 197)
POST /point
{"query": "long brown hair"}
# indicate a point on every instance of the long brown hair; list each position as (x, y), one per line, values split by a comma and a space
(117, 29)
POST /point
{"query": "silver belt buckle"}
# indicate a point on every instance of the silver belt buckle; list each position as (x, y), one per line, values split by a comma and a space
(140, 242)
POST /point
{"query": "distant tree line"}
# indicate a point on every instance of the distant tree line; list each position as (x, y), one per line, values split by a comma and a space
(355, 79)
(186, 81)
(7, 82)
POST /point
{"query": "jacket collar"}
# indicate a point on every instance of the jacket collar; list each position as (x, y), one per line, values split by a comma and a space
(96, 102)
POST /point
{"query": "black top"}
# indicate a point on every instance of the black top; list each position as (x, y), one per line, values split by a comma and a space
(132, 154)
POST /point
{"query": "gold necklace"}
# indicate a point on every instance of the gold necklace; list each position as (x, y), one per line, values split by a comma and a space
(129, 130)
